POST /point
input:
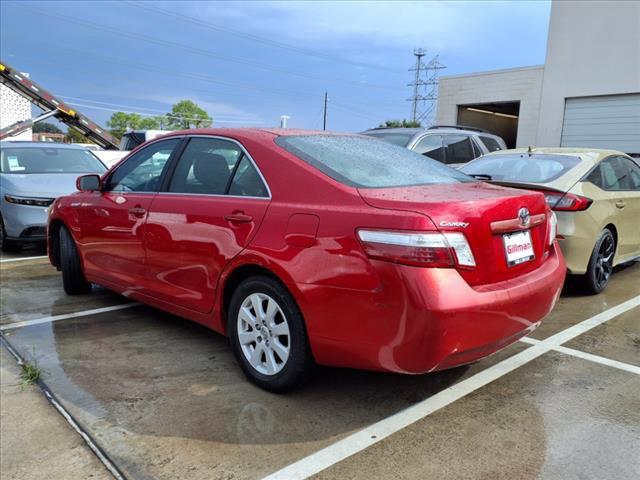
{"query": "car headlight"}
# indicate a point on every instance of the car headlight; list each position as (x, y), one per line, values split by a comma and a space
(35, 202)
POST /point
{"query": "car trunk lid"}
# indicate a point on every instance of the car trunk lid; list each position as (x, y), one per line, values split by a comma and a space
(485, 213)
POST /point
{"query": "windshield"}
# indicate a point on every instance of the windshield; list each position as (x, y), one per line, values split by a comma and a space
(522, 168)
(49, 160)
(366, 162)
(401, 139)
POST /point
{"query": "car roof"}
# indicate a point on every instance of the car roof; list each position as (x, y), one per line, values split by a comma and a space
(252, 133)
(433, 130)
(27, 144)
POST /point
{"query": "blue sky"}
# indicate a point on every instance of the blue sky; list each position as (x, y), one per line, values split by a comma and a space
(247, 63)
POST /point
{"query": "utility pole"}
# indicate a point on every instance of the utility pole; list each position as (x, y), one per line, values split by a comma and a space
(324, 121)
(424, 100)
(417, 82)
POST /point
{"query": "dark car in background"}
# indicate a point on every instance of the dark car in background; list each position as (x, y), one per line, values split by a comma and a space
(451, 145)
(32, 176)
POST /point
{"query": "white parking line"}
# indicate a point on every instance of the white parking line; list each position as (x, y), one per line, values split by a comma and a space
(372, 434)
(7, 260)
(588, 356)
(55, 318)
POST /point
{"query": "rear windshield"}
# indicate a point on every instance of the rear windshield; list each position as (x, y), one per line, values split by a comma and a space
(366, 162)
(401, 139)
(49, 160)
(522, 168)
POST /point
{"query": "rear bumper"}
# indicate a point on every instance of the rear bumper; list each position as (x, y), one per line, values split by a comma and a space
(424, 319)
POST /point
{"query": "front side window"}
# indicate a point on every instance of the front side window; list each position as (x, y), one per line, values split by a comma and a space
(522, 167)
(365, 162)
(431, 146)
(143, 170)
(459, 149)
(49, 160)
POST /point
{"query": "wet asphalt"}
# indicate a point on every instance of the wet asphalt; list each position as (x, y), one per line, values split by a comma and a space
(165, 399)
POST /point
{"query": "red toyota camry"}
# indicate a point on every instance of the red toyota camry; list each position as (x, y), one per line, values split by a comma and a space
(308, 247)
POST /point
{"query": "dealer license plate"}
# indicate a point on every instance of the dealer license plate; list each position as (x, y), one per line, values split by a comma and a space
(518, 247)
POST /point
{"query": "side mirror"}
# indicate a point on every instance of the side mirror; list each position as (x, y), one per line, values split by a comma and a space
(88, 183)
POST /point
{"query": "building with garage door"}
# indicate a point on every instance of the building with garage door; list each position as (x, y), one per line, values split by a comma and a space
(587, 94)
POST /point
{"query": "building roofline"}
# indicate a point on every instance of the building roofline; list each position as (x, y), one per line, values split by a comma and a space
(493, 72)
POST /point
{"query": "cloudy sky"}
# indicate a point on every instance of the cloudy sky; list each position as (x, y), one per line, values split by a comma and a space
(247, 63)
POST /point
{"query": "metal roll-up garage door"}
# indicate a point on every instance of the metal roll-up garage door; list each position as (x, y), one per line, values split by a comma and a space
(609, 121)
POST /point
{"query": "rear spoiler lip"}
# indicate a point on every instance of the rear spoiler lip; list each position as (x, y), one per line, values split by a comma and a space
(526, 186)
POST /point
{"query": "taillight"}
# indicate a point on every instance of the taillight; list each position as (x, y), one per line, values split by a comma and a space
(424, 249)
(567, 202)
(552, 225)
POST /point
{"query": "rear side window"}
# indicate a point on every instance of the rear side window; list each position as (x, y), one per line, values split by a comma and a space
(490, 142)
(205, 167)
(522, 168)
(458, 149)
(365, 162)
(616, 174)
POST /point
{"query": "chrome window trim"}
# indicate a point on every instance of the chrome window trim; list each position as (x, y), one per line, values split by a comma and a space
(246, 153)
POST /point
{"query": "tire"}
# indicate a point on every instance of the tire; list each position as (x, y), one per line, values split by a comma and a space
(72, 276)
(7, 245)
(261, 354)
(600, 266)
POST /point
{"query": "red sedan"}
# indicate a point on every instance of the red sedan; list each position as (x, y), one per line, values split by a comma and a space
(307, 247)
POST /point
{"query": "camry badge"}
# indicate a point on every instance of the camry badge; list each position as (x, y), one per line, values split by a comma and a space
(444, 223)
(524, 217)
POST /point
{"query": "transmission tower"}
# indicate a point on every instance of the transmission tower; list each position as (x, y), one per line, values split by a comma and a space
(425, 88)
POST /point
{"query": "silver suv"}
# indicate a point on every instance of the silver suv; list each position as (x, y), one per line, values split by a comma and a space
(453, 145)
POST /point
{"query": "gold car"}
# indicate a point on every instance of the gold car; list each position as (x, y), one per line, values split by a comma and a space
(594, 193)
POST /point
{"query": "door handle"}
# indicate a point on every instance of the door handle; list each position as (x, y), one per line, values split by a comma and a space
(620, 204)
(137, 211)
(238, 217)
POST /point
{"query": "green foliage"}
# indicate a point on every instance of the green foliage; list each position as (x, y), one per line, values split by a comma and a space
(404, 123)
(186, 114)
(44, 127)
(74, 136)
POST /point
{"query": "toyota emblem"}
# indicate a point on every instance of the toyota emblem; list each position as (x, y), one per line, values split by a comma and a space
(524, 217)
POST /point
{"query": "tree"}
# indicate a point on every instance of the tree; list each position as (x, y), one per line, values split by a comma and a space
(401, 124)
(186, 114)
(44, 127)
(120, 122)
(74, 136)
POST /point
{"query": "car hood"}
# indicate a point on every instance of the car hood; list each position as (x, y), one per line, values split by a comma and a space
(45, 185)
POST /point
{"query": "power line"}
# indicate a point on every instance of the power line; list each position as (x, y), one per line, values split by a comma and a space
(201, 51)
(255, 38)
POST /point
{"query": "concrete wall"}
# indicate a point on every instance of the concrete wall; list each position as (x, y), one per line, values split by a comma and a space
(511, 85)
(593, 48)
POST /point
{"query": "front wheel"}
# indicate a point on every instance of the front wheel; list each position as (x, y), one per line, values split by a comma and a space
(73, 279)
(268, 335)
(600, 264)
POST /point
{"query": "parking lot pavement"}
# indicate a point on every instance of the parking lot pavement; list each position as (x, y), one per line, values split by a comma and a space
(36, 442)
(165, 399)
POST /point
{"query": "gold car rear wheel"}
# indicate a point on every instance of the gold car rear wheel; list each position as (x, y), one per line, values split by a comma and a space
(600, 265)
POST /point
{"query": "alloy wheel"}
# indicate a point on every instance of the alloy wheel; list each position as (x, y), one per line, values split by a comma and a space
(263, 334)
(604, 261)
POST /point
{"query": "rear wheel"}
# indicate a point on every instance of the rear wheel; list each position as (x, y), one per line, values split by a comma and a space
(7, 245)
(600, 264)
(72, 275)
(268, 335)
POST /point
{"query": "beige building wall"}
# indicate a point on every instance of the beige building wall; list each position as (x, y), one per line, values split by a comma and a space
(512, 85)
(593, 48)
